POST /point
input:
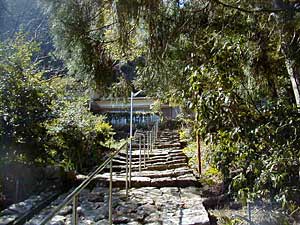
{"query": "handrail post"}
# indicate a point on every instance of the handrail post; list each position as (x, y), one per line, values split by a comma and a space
(157, 124)
(156, 130)
(151, 141)
(249, 211)
(131, 136)
(144, 151)
(130, 162)
(110, 193)
(74, 211)
(148, 144)
(126, 178)
(152, 130)
(140, 153)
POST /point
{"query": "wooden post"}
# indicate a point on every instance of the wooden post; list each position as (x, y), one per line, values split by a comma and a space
(199, 152)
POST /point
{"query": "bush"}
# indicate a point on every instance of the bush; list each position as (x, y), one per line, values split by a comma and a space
(260, 158)
(77, 137)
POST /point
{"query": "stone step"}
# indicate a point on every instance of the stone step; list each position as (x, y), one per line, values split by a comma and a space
(185, 180)
(161, 167)
(154, 153)
(159, 145)
(158, 174)
(165, 157)
(158, 156)
(157, 166)
(150, 161)
(147, 173)
(178, 159)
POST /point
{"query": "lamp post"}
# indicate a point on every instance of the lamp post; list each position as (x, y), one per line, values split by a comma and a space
(130, 132)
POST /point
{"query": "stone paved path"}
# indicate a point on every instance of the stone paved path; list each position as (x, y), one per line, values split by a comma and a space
(147, 205)
(165, 192)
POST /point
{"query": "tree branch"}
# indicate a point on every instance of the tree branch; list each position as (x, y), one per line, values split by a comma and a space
(101, 28)
(260, 10)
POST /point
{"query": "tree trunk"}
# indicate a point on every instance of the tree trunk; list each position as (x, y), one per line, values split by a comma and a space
(198, 141)
(293, 72)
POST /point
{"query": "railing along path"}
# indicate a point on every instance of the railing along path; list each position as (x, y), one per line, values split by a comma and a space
(149, 138)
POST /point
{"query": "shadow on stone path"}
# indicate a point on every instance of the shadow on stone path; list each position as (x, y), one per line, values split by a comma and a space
(147, 205)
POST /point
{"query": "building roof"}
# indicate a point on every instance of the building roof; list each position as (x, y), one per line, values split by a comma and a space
(139, 103)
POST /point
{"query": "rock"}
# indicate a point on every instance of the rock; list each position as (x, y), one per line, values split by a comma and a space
(153, 217)
(134, 223)
(65, 211)
(21, 207)
(101, 222)
(57, 220)
(6, 219)
(122, 210)
(154, 223)
(235, 205)
(8, 212)
(96, 197)
(120, 220)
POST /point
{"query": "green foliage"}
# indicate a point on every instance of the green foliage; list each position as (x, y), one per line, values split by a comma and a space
(191, 152)
(79, 30)
(24, 101)
(255, 146)
(156, 107)
(224, 220)
(77, 136)
(184, 135)
(42, 120)
(226, 66)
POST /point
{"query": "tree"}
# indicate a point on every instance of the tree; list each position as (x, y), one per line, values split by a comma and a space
(24, 101)
(79, 29)
(286, 27)
(228, 64)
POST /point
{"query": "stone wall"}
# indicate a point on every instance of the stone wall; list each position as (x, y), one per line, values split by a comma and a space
(19, 181)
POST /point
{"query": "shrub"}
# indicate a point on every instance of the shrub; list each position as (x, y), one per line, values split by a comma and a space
(77, 137)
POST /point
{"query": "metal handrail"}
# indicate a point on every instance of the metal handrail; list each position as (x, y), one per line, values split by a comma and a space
(151, 137)
(74, 194)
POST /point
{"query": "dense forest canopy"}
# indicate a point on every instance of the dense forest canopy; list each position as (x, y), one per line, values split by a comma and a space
(233, 65)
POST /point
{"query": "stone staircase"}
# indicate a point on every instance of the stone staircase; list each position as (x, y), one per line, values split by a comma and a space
(164, 192)
(164, 166)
